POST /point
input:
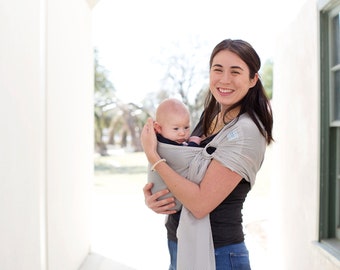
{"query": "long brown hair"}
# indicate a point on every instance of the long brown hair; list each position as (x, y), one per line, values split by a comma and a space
(255, 102)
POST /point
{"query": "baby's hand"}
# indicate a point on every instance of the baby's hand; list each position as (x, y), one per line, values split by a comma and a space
(195, 139)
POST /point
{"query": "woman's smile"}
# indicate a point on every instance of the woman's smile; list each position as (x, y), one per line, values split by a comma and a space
(225, 90)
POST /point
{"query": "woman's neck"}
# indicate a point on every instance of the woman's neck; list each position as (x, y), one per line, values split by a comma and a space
(230, 115)
(221, 119)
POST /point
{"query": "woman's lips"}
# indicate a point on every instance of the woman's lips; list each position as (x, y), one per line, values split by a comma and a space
(225, 91)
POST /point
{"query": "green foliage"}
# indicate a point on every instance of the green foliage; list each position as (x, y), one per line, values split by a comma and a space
(267, 77)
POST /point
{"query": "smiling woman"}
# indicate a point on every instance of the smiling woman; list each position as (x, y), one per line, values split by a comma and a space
(208, 229)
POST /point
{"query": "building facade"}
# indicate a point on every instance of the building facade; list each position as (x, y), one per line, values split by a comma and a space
(306, 170)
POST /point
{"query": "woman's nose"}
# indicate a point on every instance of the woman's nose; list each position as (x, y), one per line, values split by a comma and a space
(225, 78)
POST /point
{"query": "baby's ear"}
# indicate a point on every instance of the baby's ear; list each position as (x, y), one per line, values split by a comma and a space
(157, 127)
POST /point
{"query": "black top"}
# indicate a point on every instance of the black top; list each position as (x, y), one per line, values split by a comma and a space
(225, 219)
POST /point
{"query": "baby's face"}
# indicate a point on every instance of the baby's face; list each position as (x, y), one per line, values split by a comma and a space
(176, 128)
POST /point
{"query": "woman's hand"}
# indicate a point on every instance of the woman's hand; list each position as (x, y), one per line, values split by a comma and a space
(149, 141)
(159, 206)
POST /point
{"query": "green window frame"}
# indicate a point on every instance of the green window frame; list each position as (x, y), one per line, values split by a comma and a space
(329, 232)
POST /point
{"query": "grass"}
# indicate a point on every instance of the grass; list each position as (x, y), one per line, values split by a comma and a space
(121, 162)
(119, 172)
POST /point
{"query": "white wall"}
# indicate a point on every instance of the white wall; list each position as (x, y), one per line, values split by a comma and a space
(295, 177)
(70, 131)
(22, 137)
(46, 136)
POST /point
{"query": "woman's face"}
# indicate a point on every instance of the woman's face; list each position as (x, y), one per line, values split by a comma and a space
(229, 78)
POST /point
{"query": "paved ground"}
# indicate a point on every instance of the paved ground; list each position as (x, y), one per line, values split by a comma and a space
(125, 231)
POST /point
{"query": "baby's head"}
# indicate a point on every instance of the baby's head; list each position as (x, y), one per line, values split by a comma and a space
(173, 120)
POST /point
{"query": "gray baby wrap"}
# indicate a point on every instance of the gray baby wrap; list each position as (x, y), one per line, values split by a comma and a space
(240, 147)
(179, 159)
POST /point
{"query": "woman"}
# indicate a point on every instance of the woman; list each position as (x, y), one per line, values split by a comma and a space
(236, 104)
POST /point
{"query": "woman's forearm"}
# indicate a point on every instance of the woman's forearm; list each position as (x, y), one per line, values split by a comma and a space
(202, 198)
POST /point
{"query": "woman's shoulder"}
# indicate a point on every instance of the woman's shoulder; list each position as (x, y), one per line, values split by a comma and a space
(243, 127)
(246, 122)
(245, 118)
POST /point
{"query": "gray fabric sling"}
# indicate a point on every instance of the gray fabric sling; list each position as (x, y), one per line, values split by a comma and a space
(240, 147)
(179, 159)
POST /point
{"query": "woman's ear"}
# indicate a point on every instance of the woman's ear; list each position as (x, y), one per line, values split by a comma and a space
(254, 80)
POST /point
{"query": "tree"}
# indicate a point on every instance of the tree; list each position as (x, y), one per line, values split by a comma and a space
(128, 121)
(185, 75)
(267, 77)
(121, 120)
(104, 98)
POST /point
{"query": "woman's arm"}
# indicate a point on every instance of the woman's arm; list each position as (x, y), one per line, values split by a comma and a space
(201, 199)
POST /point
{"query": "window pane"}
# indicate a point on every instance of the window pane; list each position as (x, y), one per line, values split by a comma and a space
(336, 40)
(336, 97)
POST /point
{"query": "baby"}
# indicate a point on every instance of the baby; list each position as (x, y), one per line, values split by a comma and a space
(172, 126)
(172, 123)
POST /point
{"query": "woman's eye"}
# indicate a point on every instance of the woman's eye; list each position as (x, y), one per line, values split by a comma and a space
(235, 72)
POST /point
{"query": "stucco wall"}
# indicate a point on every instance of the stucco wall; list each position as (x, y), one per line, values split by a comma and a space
(46, 136)
(296, 151)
